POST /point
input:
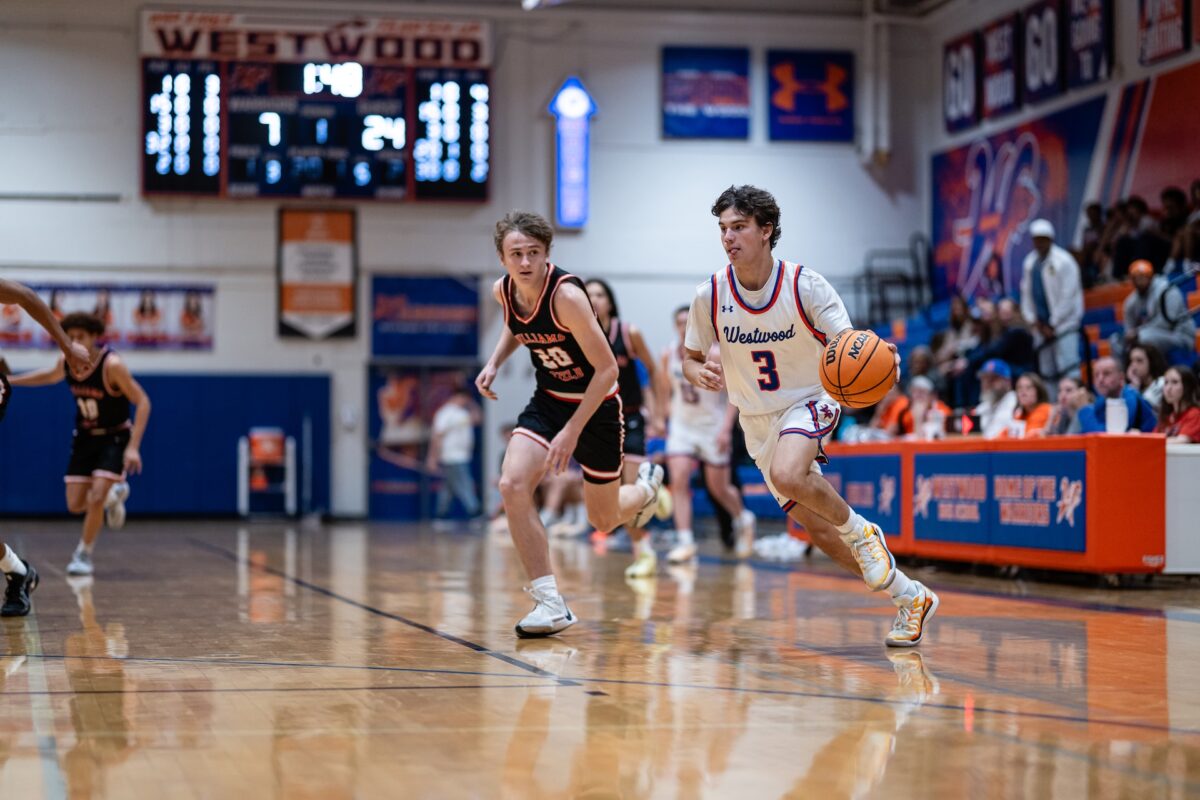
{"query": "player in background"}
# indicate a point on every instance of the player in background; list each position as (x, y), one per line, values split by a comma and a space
(699, 428)
(575, 410)
(629, 347)
(771, 320)
(106, 447)
(21, 578)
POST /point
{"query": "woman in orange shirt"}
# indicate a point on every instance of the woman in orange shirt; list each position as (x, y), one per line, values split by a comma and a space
(1033, 409)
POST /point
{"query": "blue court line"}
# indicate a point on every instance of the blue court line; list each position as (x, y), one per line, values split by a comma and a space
(1182, 615)
(271, 689)
(293, 664)
(516, 662)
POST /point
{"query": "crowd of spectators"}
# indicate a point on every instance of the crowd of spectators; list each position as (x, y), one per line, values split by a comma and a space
(1018, 364)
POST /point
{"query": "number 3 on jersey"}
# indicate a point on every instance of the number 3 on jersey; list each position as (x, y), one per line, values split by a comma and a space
(769, 382)
(554, 357)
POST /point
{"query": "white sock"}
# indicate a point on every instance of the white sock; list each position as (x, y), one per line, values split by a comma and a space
(642, 546)
(84, 547)
(546, 583)
(10, 563)
(902, 586)
(746, 517)
(853, 523)
(685, 536)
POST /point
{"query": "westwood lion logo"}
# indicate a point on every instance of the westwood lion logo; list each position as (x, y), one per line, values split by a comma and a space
(1071, 497)
(923, 497)
(887, 494)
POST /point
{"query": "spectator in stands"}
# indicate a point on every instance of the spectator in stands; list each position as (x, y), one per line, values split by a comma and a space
(1174, 212)
(998, 401)
(1052, 302)
(1144, 370)
(1033, 410)
(1118, 408)
(1180, 419)
(1072, 396)
(992, 285)
(1142, 240)
(924, 416)
(1003, 336)
(920, 363)
(954, 342)
(1090, 261)
(1155, 313)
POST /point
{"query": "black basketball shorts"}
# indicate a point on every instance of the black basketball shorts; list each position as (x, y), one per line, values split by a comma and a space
(599, 448)
(99, 456)
(635, 434)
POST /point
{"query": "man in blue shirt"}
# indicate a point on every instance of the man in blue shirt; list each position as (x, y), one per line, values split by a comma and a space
(1118, 407)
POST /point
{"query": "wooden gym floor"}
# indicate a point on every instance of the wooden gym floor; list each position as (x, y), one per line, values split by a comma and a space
(216, 660)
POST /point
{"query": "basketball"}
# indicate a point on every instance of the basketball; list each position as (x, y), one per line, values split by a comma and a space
(858, 369)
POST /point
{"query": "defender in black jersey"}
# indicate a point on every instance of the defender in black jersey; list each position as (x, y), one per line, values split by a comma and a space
(107, 445)
(575, 410)
(19, 575)
(629, 347)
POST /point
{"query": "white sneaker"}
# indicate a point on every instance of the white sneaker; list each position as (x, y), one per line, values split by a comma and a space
(911, 616)
(114, 505)
(650, 476)
(682, 553)
(549, 616)
(644, 566)
(874, 559)
(747, 525)
(81, 563)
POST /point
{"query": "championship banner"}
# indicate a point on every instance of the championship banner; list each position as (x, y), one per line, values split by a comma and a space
(1089, 42)
(960, 82)
(870, 484)
(422, 317)
(136, 316)
(1163, 29)
(986, 193)
(810, 95)
(706, 92)
(1042, 76)
(318, 274)
(1001, 60)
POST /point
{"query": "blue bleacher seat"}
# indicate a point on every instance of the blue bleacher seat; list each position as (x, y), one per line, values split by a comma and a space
(1099, 316)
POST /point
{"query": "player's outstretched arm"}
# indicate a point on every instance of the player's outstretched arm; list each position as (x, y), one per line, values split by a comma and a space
(118, 375)
(573, 309)
(12, 292)
(47, 376)
(505, 347)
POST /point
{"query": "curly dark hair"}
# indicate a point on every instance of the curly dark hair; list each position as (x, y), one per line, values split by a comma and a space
(753, 202)
(532, 225)
(80, 320)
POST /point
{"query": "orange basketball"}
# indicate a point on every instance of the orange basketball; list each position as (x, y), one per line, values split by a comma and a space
(858, 368)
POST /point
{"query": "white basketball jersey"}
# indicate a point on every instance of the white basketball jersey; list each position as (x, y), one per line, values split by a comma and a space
(693, 408)
(771, 340)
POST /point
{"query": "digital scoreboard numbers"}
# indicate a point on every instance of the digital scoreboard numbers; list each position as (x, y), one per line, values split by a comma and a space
(380, 109)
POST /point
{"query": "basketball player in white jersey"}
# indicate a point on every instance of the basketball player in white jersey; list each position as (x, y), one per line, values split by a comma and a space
(700, 428)
(771, 320)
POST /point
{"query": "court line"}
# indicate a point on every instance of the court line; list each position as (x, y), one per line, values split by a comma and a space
(268, 689)
(294, 664)
(1182, 615)
(312, 587)
(42, 715)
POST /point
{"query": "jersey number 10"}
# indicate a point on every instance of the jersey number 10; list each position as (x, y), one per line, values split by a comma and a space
(89, 409)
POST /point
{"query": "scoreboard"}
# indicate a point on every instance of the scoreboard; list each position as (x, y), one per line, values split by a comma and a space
(387, 109)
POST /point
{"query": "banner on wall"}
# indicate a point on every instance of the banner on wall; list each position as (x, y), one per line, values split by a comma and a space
(403, 401)
(1041, 64)
(960, 82)
(870, 482)
(318, 274)
(424, 317)
(1089, 42)
(136, 316)
(1163, 29)
(810, 95)
(986, 193)
(706, 92)
(1001, 60)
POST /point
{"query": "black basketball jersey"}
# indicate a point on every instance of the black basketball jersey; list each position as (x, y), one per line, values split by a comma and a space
(96, 407)
(558, 360)
(628, 379)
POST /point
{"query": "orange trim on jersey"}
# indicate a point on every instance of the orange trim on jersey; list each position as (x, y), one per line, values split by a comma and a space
(817, 334)
(504, 296)
(537, 305)
(553, 316)
(738, 298)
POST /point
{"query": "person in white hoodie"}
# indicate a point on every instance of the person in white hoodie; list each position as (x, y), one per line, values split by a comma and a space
(1052, 302)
